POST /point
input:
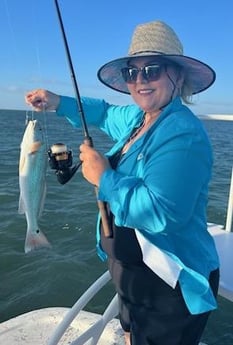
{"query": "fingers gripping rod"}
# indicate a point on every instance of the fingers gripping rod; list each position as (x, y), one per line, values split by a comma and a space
(87, 138)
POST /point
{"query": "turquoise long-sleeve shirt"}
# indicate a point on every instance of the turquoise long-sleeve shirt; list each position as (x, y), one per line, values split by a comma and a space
(160, 186)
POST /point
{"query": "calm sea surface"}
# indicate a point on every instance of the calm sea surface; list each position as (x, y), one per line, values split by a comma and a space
(59, 276)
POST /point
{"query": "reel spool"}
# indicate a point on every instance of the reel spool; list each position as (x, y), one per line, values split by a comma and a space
(61, 160)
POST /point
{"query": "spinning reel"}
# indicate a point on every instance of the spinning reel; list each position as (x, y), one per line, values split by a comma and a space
(61, 160)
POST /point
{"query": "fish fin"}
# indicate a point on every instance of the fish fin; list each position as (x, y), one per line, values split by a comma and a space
(35, 241)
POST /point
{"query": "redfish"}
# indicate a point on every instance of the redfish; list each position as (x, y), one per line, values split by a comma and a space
(32, 183)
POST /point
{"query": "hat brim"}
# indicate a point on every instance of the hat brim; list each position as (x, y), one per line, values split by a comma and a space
(200, 76)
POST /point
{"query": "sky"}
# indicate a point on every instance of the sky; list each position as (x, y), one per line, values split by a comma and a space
(33, 53)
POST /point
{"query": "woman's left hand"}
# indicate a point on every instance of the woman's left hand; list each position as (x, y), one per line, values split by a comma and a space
(93, 164)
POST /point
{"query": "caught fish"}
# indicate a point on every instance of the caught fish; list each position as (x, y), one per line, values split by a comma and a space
(32, 183)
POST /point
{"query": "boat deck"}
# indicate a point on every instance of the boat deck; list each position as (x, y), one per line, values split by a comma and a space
(36, 327)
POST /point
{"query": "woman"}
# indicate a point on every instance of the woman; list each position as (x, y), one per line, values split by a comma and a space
(154, 182)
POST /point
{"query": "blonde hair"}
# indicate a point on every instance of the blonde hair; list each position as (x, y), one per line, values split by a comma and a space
(186, 92)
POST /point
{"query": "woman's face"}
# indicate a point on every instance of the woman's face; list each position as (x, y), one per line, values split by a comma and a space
(153, 95)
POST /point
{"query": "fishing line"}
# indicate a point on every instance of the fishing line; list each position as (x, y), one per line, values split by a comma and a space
(38, 70)
(38, 65)
(11, 29)
(46, 136)
(30, 115)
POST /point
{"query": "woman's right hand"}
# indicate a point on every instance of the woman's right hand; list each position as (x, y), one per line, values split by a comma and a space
(42, 100)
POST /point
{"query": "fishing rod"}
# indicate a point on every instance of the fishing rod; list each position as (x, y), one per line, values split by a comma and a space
(59, 155)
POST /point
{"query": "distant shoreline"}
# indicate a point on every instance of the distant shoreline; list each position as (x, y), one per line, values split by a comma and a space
(226, 117)
(216, 117)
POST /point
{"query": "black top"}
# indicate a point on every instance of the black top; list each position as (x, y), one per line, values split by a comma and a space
(122, 245)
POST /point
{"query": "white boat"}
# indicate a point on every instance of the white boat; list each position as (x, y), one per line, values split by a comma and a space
(74, 326)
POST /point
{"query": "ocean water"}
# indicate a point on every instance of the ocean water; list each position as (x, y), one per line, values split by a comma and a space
(58, 277)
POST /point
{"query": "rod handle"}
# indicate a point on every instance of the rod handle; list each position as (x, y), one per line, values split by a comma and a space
(101, 205)
(104, 217)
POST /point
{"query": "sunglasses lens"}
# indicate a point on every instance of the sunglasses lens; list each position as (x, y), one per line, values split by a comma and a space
(129, 74)
(149, 73)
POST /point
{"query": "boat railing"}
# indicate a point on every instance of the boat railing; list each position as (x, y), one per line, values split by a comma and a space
(93, 333)
(230, 206)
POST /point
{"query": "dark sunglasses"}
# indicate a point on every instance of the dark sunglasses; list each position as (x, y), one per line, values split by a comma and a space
(149, 73)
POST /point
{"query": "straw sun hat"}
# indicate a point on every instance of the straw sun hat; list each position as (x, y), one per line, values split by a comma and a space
(159, 40)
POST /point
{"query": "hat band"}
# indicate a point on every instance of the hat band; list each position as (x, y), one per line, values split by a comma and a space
(146, 52)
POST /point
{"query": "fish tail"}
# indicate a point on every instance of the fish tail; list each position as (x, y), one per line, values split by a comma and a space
(35, 241)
